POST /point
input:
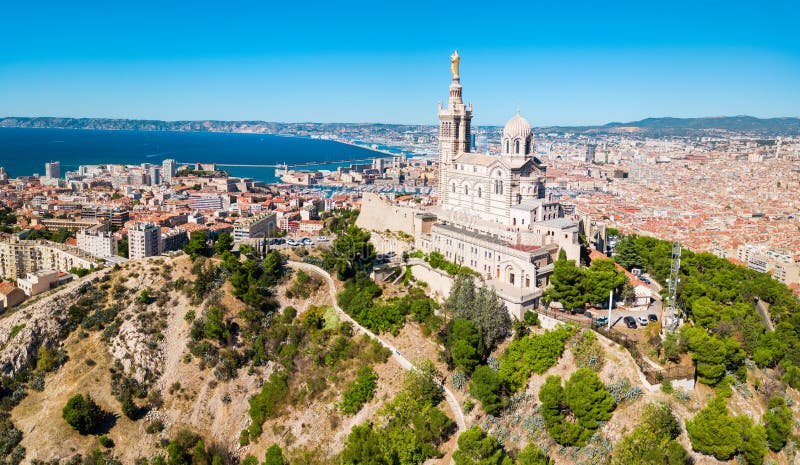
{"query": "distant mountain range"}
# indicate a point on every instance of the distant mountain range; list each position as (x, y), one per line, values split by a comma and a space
(651, 127)
(667, 126)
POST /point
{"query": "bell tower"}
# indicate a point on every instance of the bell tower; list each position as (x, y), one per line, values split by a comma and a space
(455, 131)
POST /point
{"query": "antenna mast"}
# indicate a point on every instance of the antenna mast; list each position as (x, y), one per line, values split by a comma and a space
(672, 321)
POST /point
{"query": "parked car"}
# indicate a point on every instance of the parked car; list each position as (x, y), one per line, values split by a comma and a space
(322, 239)
(644, 278)
(652, 317)
(630, 322)
(602, 321)
(642, 321)
(307, 241)
(292, 242)
(390, 254)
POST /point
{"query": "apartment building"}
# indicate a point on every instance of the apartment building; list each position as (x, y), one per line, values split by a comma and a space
(144, 240)
(19, 257)
(97, 242)
(255, 226)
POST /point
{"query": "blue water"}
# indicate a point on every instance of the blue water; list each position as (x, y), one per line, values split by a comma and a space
(25, 151)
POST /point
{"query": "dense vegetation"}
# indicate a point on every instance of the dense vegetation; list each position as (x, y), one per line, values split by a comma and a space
(360, 391)
(720, 296)
(482, 307)
(476, 447)
(533, 354)
(714, 431)
(326, 351)
(8, 220)
(777, 423)
(351, 253)
(360, 299)
(409, 429)
(572, 413)
(574, 287)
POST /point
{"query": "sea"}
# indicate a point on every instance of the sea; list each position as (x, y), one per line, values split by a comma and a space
(24, 151)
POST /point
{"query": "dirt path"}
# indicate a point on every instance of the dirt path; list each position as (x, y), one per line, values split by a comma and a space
(396, 356)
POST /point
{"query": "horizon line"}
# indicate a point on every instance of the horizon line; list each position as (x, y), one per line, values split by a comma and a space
(382, 123)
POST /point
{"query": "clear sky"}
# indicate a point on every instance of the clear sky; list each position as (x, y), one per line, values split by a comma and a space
(388, 61)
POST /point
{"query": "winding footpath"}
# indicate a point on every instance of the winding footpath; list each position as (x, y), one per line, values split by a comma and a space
(396, 356)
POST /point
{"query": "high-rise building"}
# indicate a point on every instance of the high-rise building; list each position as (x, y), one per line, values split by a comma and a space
(144, 240)
(97, 241)
(155, 175)
(168, 170)
(52, 170)
(590, 150)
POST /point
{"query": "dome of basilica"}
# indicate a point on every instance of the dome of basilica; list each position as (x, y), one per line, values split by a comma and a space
(517, 127)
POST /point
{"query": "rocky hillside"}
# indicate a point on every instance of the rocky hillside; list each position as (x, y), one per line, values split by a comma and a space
(130, 340)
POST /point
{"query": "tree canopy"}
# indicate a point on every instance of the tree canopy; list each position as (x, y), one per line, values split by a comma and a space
(476, 447)
(572, 413)
(714, 431)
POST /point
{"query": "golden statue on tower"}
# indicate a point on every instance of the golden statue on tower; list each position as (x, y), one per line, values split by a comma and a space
(454, 61)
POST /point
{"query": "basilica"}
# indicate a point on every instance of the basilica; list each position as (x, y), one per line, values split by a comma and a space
(493, 213)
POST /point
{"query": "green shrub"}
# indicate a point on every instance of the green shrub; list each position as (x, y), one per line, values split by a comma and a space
(106, 441)
(82, 413)
(476, 447)
(269, 402)
(359, 392)
(488, 387)
(714, 431)
(778, 423)
(584, 398)
(533, 354)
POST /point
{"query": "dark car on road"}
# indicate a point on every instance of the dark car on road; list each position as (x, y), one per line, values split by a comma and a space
(652, 317)
(602, 321)
(630, 322)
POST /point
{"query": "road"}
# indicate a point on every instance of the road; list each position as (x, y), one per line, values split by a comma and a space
(396, 355)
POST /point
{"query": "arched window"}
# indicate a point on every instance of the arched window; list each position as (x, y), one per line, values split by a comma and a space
(501, 187)
(466, 190)
(453, 187)
(516, 146)
(479, 192)
(506, 146)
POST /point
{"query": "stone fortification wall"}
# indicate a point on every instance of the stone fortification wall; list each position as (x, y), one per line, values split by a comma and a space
(377, 214)
(439, 282)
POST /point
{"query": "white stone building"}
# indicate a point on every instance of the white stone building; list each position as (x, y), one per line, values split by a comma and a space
(97, 242)
(493, 213)
(19, 257)
(144, 240)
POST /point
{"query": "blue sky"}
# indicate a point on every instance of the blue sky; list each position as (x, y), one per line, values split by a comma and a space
(560, 62)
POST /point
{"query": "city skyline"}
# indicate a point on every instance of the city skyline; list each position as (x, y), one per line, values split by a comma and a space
(356, 63)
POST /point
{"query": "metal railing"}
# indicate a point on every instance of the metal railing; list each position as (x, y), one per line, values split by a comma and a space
(653, 374)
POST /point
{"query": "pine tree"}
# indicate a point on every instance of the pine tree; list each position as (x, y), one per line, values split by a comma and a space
(627, 255)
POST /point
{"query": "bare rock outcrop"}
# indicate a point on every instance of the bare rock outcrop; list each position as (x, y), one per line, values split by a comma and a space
(42, 322)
